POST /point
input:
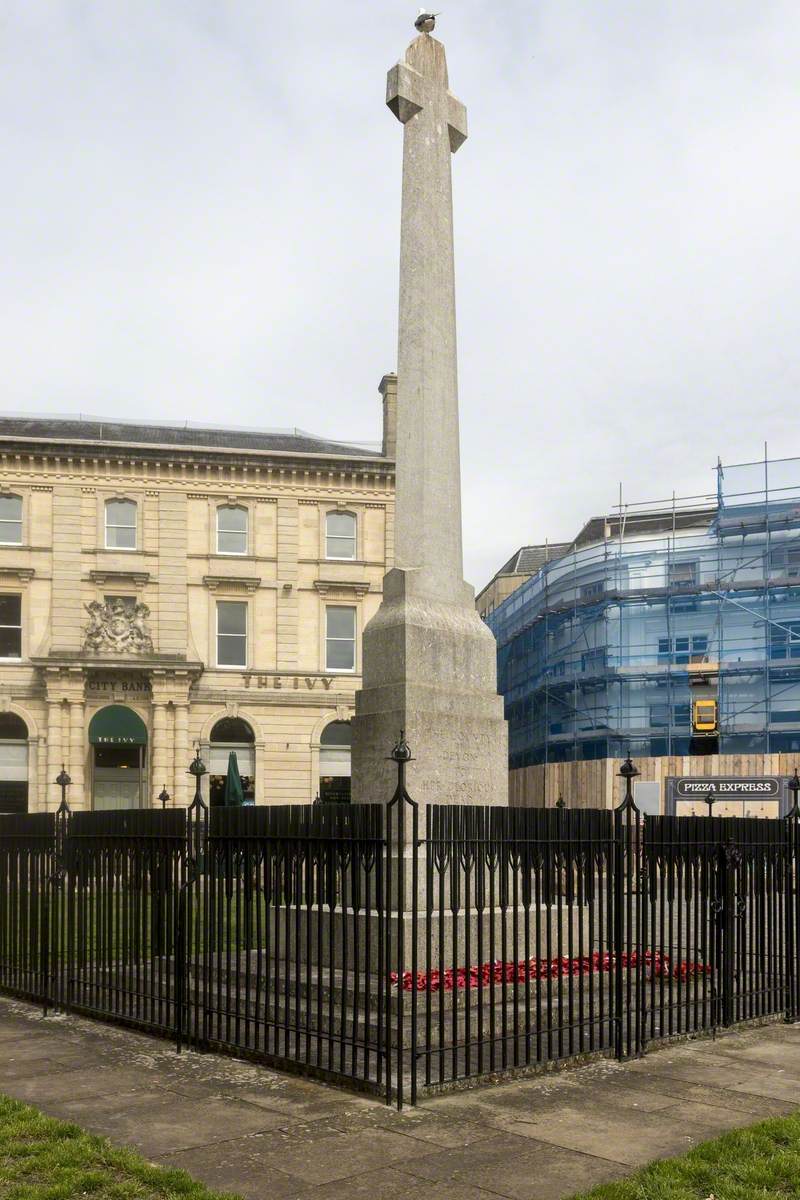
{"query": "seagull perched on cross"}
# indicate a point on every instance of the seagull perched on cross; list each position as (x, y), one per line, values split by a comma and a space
(426, 21)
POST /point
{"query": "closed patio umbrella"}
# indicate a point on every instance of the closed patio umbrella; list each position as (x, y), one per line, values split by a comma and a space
(234, 792)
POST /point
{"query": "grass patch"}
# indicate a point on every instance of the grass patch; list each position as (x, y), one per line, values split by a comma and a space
(43, 1159)
(758, 1163)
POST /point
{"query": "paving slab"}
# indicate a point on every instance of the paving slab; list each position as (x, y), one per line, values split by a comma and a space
(518, 1168)
(668, 1089)
(613, 1132)
(248, 1129)
(318, 1152)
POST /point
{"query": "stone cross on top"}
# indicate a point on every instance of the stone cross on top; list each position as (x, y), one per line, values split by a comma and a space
(428, 489)
(421, 83)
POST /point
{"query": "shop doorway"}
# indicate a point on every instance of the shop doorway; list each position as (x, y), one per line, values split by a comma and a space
(118, 737)
(334, 763)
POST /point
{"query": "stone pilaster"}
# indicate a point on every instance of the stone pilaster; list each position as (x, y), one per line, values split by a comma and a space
(183, 756)
(287, 614)
(34, 802)
(77, 754)
(159, 775)
(55, 751)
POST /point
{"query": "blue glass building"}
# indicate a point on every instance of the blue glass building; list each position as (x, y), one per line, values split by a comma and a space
(603, 652)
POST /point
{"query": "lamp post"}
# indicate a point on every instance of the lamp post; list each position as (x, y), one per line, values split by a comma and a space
(710, 798)
(164, 796)
(63, 780)
(197, 768)
(794, 787)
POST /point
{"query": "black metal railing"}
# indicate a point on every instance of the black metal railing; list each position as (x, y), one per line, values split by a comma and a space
(398, 950)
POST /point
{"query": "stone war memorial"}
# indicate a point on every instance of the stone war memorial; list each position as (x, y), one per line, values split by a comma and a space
(429, 662)
(427, 935)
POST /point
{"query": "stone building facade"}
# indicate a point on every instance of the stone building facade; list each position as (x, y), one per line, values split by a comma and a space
(166, 588)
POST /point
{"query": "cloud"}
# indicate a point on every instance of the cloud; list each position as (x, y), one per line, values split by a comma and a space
(201, 220)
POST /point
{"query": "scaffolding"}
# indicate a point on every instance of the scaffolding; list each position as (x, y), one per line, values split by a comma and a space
(601, 653)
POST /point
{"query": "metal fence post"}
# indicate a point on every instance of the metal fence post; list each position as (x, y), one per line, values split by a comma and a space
(192, 929)
(729, 858)
(791, 826)
(401, 755)
(60, 929)
(626, 817)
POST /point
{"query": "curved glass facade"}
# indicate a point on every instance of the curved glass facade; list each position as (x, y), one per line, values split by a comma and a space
(602, 653)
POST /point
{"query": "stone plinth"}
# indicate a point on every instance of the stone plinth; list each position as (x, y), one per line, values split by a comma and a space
(429, 669)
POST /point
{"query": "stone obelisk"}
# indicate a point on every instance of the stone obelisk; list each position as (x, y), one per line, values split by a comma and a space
(429, 662)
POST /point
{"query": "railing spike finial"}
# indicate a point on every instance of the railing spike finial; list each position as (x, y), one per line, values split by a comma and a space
(198, 769)
(401, 754)
(794, 787)
(628, 772)
(401, 751)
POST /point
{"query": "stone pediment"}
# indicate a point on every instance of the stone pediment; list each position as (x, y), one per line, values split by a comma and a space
(234, 583)
(348, 587)
(137, 578)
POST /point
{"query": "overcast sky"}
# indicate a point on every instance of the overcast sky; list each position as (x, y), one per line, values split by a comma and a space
(200, 220)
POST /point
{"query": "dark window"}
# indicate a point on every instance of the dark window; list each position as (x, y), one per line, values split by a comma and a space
(231, 633)
(12, 728)
(596, 588)
(684, 648)
(784, 640)
(682, 574)
(340, 639)
(785, 560)
(659, 715)
(231, 529)
(338, 733)
(594, 660)
(784, 743)
(10, 626)
(231, 734)
(340, 535)
(10, 520)
(232, 729)
(120, 525)
(786, 716)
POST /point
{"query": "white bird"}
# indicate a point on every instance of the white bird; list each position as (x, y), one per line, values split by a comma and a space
(426, 21)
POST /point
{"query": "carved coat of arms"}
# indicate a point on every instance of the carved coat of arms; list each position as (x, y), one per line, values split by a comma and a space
(118, 627)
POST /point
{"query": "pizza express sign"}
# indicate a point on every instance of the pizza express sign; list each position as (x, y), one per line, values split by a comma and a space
(756, 787)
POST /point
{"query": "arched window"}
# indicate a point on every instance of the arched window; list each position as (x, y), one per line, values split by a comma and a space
(340, 535)
(13, 764)
(120, 525)
(338, 733)
(231, 734)
(334, 763)
(10, 521)
(231, 529)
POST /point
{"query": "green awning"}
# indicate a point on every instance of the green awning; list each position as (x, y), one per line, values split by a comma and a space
(117, 726)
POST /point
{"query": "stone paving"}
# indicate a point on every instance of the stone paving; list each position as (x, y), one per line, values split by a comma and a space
(268, 1136)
